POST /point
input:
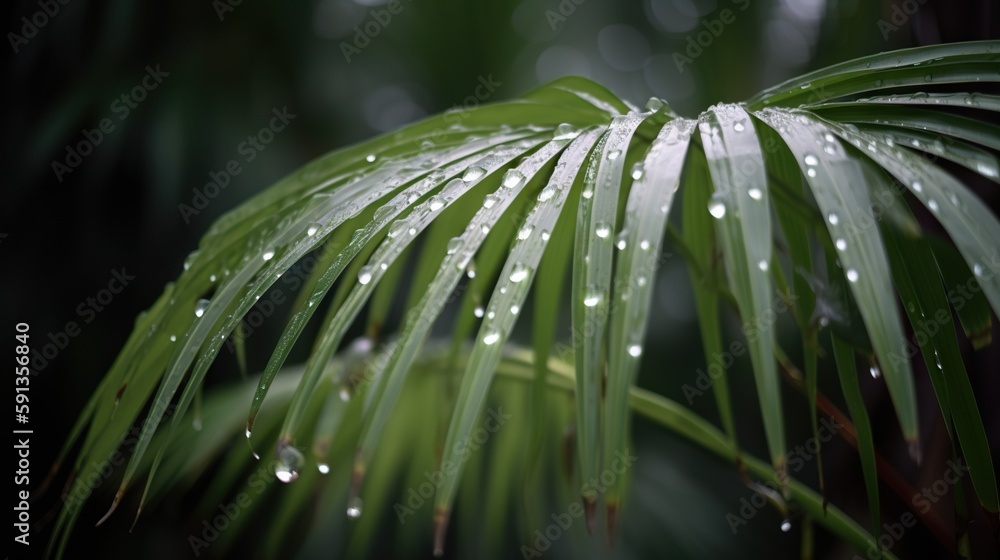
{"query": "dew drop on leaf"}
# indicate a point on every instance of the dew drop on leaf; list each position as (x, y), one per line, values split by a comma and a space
(200, 307)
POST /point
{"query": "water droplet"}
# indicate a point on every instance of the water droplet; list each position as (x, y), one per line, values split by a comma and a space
(545, 235)
(811, 160)
(472, 173)
(323, 468)
(716, 206)
(932, 205)
(519, 272)
(635, 350)
(852, 275)
(485, 229)
(738, 126)
(786, 526)
(592, 298)
(978, 270)
(490, 200)
(640, 281)
(878, 83)
(603, 230)
(479, 311)
(370, 158)
(453, 245)
(512, 179)
(289, 464)
(833, 219)
(189, 260)
(365, 274)
(344, 393)
(547, 193)
(654, 104)
(644, 245)
(435, 203)
(200, 307)
(525, 232)
(491, 337)
(840, 243)
(515, 309)
(313, 228)
(917, 186)
(565, 131)
(829, 138)
(173, 338)
(762, 265)
(354, 508)
(637, 171)
(622, 240)
(874, 372)
(613, 155)
(755, 193)
(588, 192)
(268, 255)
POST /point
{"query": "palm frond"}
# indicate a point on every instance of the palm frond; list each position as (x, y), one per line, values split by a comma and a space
(570, 175)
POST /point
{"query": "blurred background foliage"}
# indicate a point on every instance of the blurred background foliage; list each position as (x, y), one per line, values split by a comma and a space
(230, 65)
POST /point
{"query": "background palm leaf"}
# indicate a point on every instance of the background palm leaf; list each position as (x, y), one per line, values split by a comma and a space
(491, 206)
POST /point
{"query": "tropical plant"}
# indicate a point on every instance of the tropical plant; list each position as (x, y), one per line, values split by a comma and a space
(801, 199)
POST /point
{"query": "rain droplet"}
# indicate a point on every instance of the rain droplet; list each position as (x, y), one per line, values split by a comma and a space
(841, 243)
(371, 158)
(833, 219)
(173, 338)
(603, 230)
(588, 192)
(644, 245)
(472, 173)
(811, 160)
(354, 508)
(874, 372)
(852, 275)
(515, 309)
(323, 468)
(613, 155)
(200, 307)
(545, 235)
(289, 464)
(637, 171)
(977, 269)
(932, 205)
(786, 526)
(478, 311)
(654, 104)
(491, 337)
(635, 350)
(829, 138)
(453, 245)
(519, 272)
(485, 229)
(738, 126)
(811, 172)
(365, 274)
(917, 186)
(716, 207)
(545, 194)
(435, 203)
(490, 200)
(189, 260)
(762, 265)
(755, 193)
(592, 298)
(565, 131)
(396, 228)
(512, 179)
(268, 255)
(622, 240)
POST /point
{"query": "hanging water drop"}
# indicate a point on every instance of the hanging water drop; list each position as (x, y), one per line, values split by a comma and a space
(289, 464)
(716, 206)
(365, 274)
(200, 307)
(354, 508)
